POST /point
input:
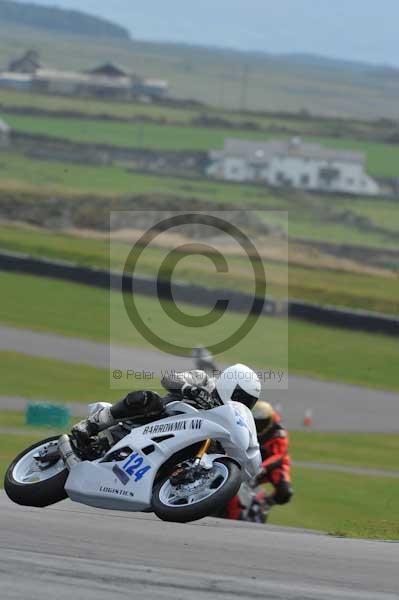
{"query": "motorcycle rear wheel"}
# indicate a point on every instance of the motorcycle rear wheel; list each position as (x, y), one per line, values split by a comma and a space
(27, 486)
(171, 504)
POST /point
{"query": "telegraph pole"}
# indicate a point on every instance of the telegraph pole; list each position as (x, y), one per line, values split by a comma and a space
(244, 87)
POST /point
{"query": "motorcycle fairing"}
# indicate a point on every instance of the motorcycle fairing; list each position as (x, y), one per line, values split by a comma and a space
(127, 484)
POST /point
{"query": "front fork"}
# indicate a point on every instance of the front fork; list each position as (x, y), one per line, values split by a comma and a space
(203, 450)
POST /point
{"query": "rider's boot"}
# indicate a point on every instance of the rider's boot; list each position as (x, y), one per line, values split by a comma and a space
(135, 404)
(100, 420)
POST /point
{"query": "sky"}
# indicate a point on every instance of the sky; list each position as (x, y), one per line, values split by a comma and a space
(360, 30)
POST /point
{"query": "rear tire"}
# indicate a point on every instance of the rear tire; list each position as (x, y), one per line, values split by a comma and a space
(38, 494)
(203, 508)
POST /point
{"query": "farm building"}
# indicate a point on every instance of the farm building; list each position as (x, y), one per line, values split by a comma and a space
(293, 163)
(70, 83)
(20, 72)
(4, 134)
(105, 81)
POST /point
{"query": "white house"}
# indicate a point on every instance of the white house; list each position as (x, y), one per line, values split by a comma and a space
(293, 163)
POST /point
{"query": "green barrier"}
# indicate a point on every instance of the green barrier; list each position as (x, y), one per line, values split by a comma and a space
(47, 415)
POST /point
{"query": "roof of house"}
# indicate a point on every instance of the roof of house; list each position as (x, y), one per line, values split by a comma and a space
(261, 152)
(109, 70)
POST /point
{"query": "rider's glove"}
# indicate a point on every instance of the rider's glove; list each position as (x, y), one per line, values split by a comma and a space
(192, 392)
(200, 396)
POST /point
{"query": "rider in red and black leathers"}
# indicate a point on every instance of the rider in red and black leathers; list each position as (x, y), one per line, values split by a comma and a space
(276, 462)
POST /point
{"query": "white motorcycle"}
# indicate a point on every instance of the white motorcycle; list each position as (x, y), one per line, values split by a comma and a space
(183, 467)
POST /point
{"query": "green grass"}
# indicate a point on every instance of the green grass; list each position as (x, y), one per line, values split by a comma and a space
(17, 420)
(311, 218)
(314, 228)
(15, 423)
(314, 350)
(382, 159)
(342, 504)
(367, 450)
(382, 214)
(10, 99)
(41, 378)
(17, 171)
(12, 419)
(130, 135)
(314, 284)
(177, 115)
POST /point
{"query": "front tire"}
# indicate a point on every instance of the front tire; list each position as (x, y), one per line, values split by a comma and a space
(167, 508)
(44, 487)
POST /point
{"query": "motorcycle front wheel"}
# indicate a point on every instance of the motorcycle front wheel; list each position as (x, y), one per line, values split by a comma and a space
(30, 483)
(200, 498)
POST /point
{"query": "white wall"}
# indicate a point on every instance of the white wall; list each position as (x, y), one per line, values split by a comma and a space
(299, 173)
(237, 169)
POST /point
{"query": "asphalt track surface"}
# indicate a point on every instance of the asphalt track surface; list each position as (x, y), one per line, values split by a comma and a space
(71, 551)
(335, 407)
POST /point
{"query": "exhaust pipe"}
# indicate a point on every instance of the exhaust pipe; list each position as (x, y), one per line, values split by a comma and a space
(67, 454)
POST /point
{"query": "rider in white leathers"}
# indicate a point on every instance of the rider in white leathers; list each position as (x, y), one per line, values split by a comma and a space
(238, 383)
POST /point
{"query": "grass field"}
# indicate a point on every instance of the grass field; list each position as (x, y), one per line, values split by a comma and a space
(342, 504)
(314, 350)
(382, 159)
(11, 100)
(92, 107)
(374, 451)
(18, 172)
(17, 420)
(332, 286)
(16, 423)
(312, 218)
(40, 378)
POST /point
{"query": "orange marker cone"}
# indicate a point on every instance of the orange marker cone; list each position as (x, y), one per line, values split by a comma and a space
(308, 418)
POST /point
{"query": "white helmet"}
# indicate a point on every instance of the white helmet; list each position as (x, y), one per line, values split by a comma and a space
(240, 384)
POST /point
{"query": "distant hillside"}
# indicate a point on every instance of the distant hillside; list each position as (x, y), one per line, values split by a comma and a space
(58, 20)
(224, 78)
